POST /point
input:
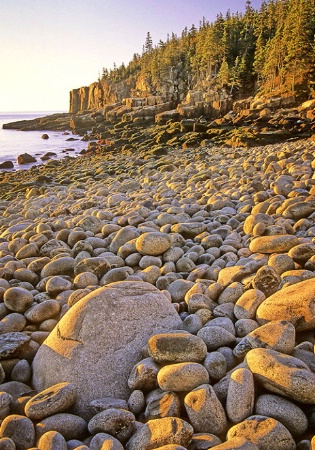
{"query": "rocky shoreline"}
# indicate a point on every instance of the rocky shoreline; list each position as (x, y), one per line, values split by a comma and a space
(220, 238)
(137, 124)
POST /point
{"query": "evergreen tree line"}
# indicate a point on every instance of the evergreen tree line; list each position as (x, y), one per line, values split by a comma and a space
(270, 51)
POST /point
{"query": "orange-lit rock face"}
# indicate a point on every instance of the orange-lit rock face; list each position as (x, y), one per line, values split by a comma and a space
(97, 343)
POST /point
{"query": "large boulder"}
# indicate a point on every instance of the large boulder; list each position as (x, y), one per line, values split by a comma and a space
(99, 340)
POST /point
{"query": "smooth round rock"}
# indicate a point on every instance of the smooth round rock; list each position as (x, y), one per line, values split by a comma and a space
(216, 337)
(153, 243)
(43, 311)
(104, 441)
(282, 374)
(116, 422)
(7, 444)
(295, 303)
(105, 331)
(18, 299)
(21, 371)
(176, 347)
(165, 431)
(281, 409)
(277, 335)
(60, 266)
(240, 396)
(205, 411)
(55, 399)
(263, 431)
(216, 365)
(144, 375)
(69, 426)
(20, 429)
(162, 404)
(182, 376)
(12, 322)
(52, 440)
(273, 244)
(5, 404)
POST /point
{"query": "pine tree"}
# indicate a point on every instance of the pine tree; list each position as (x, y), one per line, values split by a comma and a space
(148, 45)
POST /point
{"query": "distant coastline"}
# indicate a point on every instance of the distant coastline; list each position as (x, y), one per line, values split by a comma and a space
(14, 142)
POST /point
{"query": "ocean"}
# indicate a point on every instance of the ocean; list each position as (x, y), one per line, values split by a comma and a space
(13, 142)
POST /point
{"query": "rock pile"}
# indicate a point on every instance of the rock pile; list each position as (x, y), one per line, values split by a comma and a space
(159, 301)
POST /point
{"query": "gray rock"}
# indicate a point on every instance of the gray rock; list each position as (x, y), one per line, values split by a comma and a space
(18, 299)
(281, 409)
(263, 431)
(240, 396)
(20, 429)
(53, 400)
(68, 425)
(12, 322)
(101, 404)
(10, 343)
(205, 411)
(295, 303)
(161, 404)
(282, 374)
(104, 331)
(182, 376)
(144, 375)
(216, 337)
(52, 440)
(116, 422)
(176, 347)
(155, 433)
(103, 440)
(7, 444)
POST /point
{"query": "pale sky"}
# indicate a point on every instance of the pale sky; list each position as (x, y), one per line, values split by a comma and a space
(48, 47)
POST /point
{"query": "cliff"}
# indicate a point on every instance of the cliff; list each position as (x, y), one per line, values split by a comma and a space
(137, 99)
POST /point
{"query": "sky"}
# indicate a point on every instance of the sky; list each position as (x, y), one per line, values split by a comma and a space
(48, 47)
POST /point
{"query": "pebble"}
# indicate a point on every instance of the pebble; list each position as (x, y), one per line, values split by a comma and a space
(153, 243)
(68, 425)
(216, 337)
(161, 404)
(116, 422)
(105, 441)
(240, 395)
(53, 400)
(273, 244)
(205, 411)
(263, 431)
(17, 299)
(42, 311)
(144, 375)
(182, 376)
(277, 335)
(293, 303)
(20, 429)
(165, 431)
(176, 347)
(283, 410)
(282, 374)
(52, 440)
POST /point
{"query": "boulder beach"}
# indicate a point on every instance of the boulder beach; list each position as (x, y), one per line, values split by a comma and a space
(159, 300)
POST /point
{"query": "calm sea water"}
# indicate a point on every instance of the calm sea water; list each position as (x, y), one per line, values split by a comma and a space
(13, 142)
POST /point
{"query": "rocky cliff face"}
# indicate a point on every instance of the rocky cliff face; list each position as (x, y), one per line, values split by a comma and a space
(134, 99)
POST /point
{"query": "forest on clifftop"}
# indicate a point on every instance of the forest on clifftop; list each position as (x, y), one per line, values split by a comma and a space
(270, 51)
